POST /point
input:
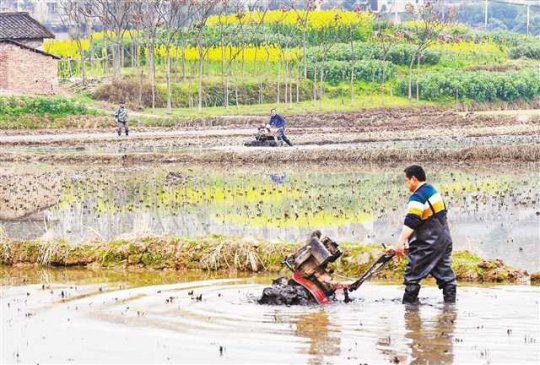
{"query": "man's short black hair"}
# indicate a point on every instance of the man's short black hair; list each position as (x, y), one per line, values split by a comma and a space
(416, 171)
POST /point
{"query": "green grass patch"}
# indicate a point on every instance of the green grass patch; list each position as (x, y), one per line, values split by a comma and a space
(41, 105)
(326, 105)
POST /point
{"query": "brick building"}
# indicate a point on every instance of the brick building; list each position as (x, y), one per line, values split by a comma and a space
(24, 67)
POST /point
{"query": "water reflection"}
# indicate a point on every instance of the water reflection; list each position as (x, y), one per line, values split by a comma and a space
(278, 178)
(323, 337)
(431, 339)
(493, 214)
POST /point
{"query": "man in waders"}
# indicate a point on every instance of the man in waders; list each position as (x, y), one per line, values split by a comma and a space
(427, 236)
(121, 119)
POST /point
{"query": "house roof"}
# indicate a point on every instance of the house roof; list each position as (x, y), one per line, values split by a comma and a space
(28, 48)
(20, 25)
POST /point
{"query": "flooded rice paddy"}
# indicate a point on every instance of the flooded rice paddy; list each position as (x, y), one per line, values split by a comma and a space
(68, 315)
(493, 211)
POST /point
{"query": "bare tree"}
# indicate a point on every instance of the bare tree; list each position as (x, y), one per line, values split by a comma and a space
(238, 31)
(386, 39)
(74, 18)
(327, 39)
(422, 35)
(115, 16)
(146, 17)
(202, 9)
(303, 23)
(176, 15)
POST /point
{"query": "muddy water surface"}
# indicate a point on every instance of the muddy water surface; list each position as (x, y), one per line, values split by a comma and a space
(494, 210)
(188, 318)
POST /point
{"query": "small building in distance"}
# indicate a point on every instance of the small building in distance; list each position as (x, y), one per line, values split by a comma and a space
(24, 67)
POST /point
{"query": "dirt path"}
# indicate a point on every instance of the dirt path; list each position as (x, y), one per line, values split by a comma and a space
(380, 135)
(112, 135)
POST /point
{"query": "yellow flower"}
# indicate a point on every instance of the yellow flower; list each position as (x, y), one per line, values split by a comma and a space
(314, 19)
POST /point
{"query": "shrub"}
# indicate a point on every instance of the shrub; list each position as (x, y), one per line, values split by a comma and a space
(249, 92)
(478, 86)
(399, 54)
(529, 50)
(15, 106)
(366, 70)
(128, 90)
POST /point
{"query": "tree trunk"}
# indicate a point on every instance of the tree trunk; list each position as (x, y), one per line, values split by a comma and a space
(285, 100)
(298, 83)
(352, 69)
(83, 65)
(168, 77)
(304, 51)
(224, 82)
(91, 52)
(278, 81)
(417, 85)
(243, 58)
(117, 54)
(183, 61)
(152, 71)
(321, 88)
(411, 64)
(106, 55)
(260, 83)
(236, 94)
(201, 67)
(314, 82)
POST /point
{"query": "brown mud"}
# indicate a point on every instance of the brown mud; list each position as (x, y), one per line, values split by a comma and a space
(375, 135)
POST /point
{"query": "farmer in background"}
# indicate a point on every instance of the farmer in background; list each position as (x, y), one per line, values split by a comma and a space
(121, 119)
(277, 124)
(426, 235)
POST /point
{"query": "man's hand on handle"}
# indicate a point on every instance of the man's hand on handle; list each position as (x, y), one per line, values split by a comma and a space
(403, 241)
(399, 249)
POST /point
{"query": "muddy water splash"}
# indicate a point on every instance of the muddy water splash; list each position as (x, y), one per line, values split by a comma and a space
(219, 320)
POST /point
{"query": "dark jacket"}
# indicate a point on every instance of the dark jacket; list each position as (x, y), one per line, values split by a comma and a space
(277, 121)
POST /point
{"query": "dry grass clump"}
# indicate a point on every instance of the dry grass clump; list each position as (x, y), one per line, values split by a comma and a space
(241, 254)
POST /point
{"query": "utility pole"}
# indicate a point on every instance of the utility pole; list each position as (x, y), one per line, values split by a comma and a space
(486, 14)
(528, 16)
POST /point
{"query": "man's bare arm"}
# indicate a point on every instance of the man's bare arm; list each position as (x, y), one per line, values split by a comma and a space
(406, 233)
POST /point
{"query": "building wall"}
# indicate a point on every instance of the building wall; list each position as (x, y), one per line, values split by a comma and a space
(3, 67)
(25, 72)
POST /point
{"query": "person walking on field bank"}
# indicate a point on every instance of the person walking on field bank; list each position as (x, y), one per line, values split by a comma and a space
(277, 124)
(426, 236)
(121, 119)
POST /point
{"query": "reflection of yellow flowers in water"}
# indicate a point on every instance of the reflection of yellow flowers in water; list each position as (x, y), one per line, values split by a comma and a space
(225, 194)
(483, 186)
(106, 206)
(66, 200)
(319, 219)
